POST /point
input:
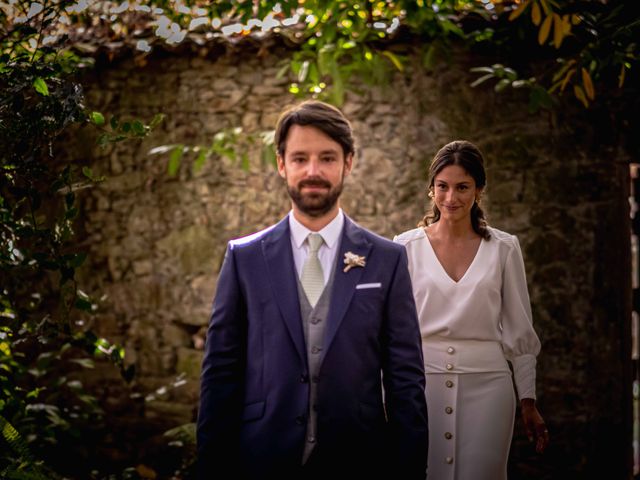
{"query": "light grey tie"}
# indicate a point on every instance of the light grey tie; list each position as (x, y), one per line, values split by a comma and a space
(312, 278)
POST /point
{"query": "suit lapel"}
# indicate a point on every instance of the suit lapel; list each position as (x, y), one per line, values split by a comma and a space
(344, 283)
(276, 248)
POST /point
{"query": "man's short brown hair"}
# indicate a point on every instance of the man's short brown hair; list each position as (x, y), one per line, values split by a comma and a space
(320, 115)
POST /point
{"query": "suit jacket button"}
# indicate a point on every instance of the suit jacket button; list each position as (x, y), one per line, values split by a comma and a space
(304, 378)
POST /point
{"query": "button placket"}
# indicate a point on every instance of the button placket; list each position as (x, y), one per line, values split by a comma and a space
(448, 450)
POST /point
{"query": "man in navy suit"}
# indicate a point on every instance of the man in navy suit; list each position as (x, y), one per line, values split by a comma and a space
(313, 364)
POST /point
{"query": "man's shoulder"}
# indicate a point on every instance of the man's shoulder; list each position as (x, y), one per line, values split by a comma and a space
(252, 239)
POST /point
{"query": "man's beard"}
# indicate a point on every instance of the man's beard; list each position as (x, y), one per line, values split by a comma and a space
(315, 204)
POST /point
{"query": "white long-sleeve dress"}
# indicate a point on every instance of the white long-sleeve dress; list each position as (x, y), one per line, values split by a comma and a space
(470, 329)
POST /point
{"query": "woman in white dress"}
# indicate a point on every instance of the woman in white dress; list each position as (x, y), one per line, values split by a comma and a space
(473, 305)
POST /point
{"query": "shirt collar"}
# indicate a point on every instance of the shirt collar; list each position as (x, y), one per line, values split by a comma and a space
(330, 233)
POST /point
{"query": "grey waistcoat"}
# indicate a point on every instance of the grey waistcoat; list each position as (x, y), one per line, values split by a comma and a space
(314, 321)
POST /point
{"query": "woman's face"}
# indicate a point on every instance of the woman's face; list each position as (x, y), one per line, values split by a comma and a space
(454, 193)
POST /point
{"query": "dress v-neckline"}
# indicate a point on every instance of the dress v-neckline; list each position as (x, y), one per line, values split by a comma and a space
(441, 267)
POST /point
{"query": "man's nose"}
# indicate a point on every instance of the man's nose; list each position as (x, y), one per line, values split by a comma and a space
(313, 167)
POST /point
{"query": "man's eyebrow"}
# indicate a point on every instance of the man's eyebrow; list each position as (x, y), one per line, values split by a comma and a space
(322, 152)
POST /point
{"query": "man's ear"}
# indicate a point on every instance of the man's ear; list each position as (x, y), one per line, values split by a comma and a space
(348, 164)
(280, 161)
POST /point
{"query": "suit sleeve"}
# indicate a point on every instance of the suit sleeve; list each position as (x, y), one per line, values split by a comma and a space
(403, 376)
(222, 377)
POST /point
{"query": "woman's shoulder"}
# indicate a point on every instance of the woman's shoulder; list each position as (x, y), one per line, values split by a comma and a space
(409, 236)
(503, 238)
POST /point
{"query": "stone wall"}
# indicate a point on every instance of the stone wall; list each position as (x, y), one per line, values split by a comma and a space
(156, 242)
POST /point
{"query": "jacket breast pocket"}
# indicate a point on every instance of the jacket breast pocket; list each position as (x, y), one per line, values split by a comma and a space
(369, 295)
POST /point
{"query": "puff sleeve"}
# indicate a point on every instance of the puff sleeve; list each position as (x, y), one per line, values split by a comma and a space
(519, 340)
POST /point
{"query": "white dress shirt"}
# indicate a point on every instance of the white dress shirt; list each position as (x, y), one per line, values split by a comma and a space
(327, 254)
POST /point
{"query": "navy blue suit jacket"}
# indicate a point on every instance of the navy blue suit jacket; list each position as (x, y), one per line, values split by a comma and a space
(254, 397)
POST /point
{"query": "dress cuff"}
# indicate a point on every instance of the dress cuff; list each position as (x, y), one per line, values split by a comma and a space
(524, 375)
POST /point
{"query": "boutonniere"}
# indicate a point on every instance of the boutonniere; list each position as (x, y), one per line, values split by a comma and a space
(352, 260)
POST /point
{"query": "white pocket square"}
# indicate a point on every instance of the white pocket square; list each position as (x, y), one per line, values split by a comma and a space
(362, 286)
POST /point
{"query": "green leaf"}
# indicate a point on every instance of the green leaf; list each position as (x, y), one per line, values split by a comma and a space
(502, 84)
(269, 156)
(83, 362)
(394, 59)
(202, 157)
(138, 128)
(114, 122)
(103, 140)
(97, 118)
(429, 57)
(71, 213)
(304, 70)
(82, 304)
(156, 120)
(482, 79)
(78, 259)
(174, 160)
(244, 162)
(41, 87)
(161, 149)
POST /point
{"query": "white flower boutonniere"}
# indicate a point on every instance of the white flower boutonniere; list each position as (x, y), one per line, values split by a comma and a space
(352, 260)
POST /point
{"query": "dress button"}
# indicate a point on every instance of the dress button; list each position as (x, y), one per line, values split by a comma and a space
(448, 436)
(449, 460)
(449, 410)
(449, 366)
(311, 439)
(315, 349)
(449, 383)
(451, 350)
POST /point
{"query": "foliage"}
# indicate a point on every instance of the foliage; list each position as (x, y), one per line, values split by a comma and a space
(232, 143)
(43, 344)
(585, 51)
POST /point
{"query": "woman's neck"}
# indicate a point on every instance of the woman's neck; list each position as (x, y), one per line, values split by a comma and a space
(445, 229)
